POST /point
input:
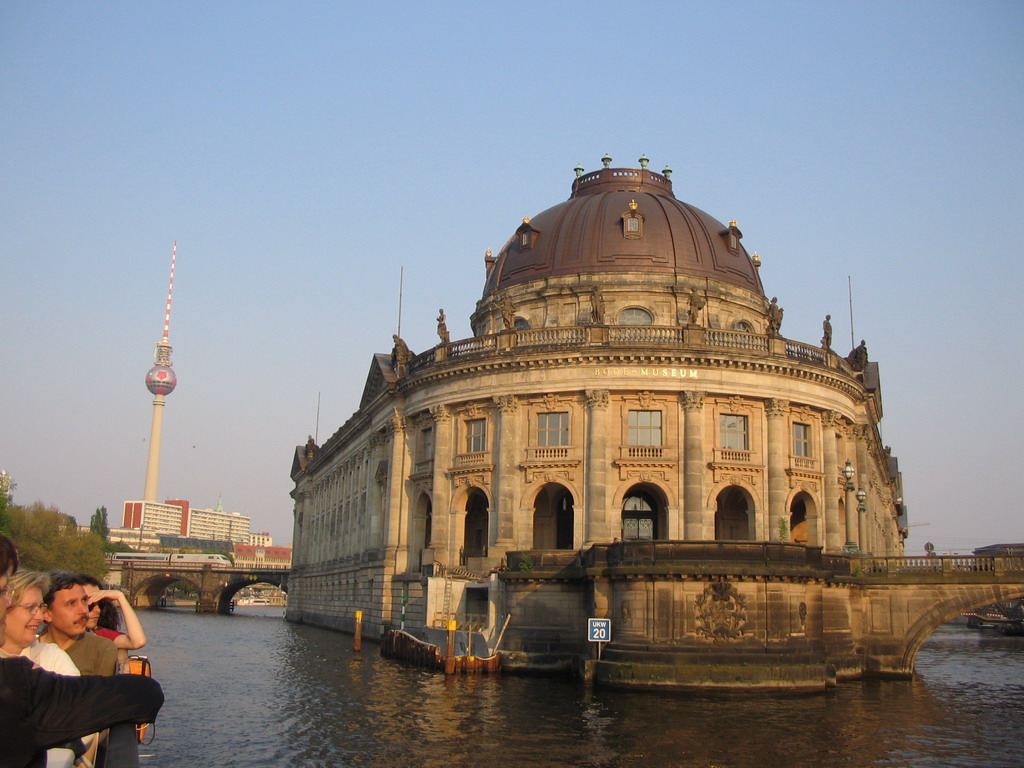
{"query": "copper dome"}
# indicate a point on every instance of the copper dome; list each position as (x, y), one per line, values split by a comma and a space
(591, 233)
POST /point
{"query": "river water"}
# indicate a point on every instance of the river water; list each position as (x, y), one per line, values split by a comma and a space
(252, 690)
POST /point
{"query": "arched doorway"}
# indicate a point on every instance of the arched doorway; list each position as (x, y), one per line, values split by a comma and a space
(732, 515)
(801, 510)
(553, 518)
(642, 515)
(474, 539)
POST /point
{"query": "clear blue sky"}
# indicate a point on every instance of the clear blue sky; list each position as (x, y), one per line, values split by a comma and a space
(303, 153)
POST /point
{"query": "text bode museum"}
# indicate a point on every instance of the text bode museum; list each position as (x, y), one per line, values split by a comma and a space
(627, 434)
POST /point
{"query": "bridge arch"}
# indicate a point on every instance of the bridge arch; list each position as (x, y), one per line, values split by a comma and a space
(241, 581)
(963, 600)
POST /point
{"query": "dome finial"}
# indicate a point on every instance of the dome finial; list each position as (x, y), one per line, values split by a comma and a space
(606, 161)
(579, 170)
(667, 172)
(756, 259)
(644, 160)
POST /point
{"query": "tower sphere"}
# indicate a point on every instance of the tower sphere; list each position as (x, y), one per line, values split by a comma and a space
(161, 380)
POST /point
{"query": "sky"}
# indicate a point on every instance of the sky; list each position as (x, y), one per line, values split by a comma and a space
(333, 172)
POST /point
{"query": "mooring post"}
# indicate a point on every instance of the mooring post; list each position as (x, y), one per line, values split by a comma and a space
(357, 642)
(449, 657)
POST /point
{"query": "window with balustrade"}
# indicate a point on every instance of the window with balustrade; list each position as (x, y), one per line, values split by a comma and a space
(734, 435)
(552, 429)
(802, 440)
(644, 428)
(476, 435)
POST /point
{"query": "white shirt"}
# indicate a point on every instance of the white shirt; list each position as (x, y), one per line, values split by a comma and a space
(51, 658)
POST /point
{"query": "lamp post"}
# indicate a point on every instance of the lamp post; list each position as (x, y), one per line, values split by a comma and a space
(850, 548)
(861, 527)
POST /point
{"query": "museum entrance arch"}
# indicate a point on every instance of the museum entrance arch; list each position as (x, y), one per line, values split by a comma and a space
(553, 518)
(474, 538)
(733, 515)
(643, 514)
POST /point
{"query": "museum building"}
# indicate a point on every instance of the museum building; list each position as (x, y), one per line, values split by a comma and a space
(628, 398)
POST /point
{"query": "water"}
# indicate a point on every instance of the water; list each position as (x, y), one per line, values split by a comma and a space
(251, 690)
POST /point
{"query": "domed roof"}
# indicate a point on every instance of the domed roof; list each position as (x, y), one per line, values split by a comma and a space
(623, 220)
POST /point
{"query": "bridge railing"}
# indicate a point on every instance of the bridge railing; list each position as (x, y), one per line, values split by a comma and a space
(941, 564)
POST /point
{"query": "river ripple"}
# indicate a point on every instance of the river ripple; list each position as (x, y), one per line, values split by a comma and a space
(251, 690)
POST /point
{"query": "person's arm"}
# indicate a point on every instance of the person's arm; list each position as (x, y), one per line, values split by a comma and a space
(134, 636)
(53, 709)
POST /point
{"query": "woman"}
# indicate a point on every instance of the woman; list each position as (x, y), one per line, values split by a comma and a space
(103, 619)
(24, 616)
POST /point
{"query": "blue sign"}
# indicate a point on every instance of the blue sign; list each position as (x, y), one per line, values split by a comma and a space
(599, 630)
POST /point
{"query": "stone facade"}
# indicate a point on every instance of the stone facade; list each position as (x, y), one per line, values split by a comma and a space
(627, 380)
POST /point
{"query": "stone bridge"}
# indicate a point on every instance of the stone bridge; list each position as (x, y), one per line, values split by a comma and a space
(145, 583)
(900, 601)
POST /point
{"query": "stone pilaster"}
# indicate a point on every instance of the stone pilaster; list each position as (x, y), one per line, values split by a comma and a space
(597, 527)
(861, 436)
(441, 495)
(694, 462)
(829, 531)
(396, 536)
(776, 411)
(506, 471)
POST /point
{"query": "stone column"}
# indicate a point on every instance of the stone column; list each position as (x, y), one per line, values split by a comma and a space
(861, 433)
(597, 527)
(776, 411)
(506, 473)
(693, 466)
(396, 537)
(441, 492)
(829, 518)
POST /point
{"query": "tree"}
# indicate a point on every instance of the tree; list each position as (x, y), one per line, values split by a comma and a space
(6, 486)
(48, 540)
(98, 523)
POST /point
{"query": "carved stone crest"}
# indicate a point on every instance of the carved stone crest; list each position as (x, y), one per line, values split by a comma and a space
(721, 612)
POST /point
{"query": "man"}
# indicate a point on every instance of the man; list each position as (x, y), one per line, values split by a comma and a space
(39, 709)
(67, 613)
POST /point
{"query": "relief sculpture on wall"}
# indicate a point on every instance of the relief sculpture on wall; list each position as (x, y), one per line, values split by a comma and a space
(721, 612)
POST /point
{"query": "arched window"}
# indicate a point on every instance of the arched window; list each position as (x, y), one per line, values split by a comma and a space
(743, 325)
(639, 517)
(635, 316)
(521, 324)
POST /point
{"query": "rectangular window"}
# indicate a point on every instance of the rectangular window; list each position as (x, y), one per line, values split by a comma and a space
(552, 429)
(802, 440)
(426, 444)
(734, 432)
(476, 436)
(645, 427)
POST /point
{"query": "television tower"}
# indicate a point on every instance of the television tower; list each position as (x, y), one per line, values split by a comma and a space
(160, 381)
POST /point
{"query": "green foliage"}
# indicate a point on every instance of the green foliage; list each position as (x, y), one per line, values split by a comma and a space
(48, 540)
(98, 523)
(525, 564)
(783, 529)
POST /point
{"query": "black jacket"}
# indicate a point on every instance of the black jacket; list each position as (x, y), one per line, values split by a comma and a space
(39, 709)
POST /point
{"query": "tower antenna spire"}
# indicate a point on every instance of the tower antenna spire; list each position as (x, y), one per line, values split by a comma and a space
(170, 289)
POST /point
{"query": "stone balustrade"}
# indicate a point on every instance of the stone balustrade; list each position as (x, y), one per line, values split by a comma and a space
(681, 338)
